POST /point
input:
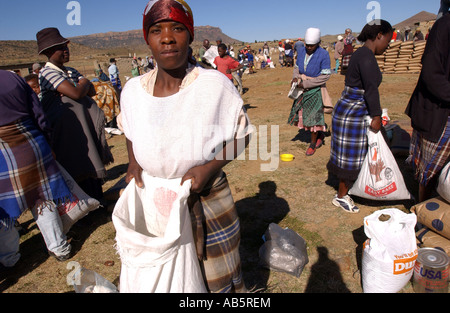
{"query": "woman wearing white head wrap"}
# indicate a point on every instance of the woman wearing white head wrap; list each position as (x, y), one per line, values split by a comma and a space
(312, 36)
(314, 69)
(338, 49)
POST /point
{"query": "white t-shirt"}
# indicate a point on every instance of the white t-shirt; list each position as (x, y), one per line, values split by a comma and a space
(171, 135)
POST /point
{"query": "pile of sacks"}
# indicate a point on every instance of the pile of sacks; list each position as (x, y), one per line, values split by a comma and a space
(433, 217)
(390, 252)
(402, 57)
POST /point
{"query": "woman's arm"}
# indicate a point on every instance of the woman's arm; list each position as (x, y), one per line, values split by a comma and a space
(238, 68)
(368, 68)
(313, 82)
(200, 175)
(78, 91)
(134, 169)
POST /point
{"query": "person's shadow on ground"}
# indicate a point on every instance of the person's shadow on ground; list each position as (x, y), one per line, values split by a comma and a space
(256, 214)
(325, 275)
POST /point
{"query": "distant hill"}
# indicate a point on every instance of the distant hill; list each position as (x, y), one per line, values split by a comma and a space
(135, 39)
(109, 40)
(111, 43)
(123, 43)
(24, 51)
(419, 17)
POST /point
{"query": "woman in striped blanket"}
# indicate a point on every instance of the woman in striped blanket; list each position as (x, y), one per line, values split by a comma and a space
(29, 176)
(163, 113)
(429, 109)
(360, 99)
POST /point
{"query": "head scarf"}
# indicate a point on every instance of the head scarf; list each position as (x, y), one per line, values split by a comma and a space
(175, 10)
(312, 36)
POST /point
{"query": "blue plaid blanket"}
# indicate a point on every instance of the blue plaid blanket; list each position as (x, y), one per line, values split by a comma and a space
(28, 171)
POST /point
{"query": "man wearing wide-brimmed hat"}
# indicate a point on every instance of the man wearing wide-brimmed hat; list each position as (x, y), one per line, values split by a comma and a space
(55, 48)
(78, 139)
(49, 38)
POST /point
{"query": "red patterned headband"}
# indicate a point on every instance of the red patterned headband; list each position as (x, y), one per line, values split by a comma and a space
(175, 10)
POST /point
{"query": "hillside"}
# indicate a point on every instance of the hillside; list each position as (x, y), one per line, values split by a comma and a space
(111, 43)
(134, 38)
(116, 44)
(419, 17)
(24, 51)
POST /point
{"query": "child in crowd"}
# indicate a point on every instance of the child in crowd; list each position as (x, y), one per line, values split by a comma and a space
(33, 81)
(226, 64)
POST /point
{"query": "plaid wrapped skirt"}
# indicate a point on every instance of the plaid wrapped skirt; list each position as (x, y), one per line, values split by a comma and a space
(346, 61)
(311, 105)
(429, 158)
(219, 226)
(349, 135)
(29, 175)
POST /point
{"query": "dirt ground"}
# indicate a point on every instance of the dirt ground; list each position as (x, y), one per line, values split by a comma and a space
(295, 194)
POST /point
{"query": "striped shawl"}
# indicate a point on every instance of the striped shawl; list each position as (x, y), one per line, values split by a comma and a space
(217, 236)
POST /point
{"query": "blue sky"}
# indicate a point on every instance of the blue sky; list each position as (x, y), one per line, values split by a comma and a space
(247, 20)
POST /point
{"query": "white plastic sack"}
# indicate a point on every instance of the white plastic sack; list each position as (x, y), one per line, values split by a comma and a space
(284, 250)
(444, 183)
(154, 238)
(87, 281)
(295, 92)
(390, 253)
(380, 177)
(73, 212)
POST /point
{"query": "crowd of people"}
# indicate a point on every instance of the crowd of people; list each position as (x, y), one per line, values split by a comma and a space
(50, 121)
(246, 60)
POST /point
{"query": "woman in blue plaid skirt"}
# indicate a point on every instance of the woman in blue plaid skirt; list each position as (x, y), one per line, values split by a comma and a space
(359, 99)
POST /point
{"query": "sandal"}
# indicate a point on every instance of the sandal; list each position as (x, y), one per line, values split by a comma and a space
(346, 204)
(311, 150)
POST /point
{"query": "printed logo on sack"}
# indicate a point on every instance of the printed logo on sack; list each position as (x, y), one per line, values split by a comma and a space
(381, 173)
(405, 263)
(381, 192)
